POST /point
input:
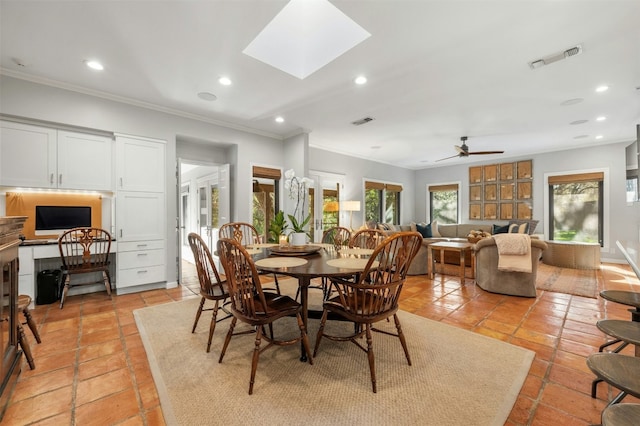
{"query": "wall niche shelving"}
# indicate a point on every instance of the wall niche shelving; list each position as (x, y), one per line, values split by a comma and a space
(501, 191)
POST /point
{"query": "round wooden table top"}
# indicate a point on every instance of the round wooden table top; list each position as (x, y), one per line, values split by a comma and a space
(629, 298)
(316, 266)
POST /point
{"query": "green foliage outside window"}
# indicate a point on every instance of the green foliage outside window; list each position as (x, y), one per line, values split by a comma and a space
(444, 206)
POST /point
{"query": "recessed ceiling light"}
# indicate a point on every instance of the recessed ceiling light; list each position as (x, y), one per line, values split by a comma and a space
(376, 147)
(599, 137)
(573, 123)
(601, 89)
(581, 136)
(279, 119)
(360, 79)
(94, 65)
(572, 101)
(206, 96)
(601, 118)
(225, 81)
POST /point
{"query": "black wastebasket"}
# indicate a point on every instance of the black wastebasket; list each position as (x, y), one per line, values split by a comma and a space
(48, 286)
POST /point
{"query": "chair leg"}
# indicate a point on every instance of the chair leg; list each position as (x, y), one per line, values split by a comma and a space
(403, 341)
(305, 338)
(31, 323)
(24, 344)
(323, 320)
(64, 290)
(107, 281)
(372, 361)
(255, 358)
(198, 313)
(275, 278)
(212, 326)
(228, 338)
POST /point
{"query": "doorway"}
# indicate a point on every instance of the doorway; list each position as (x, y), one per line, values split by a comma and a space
(325, 200)
(203, 206)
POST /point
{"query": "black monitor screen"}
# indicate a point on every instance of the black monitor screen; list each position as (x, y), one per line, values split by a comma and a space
(62, 217)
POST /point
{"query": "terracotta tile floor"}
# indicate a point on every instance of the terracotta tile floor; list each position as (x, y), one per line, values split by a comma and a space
(99, 374)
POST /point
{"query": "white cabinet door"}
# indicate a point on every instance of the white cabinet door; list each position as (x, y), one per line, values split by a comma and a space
(140, 216)
(84, 161)
(140, 164)
(27, 155)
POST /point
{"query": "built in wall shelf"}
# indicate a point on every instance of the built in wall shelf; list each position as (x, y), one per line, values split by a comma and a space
(501, 191)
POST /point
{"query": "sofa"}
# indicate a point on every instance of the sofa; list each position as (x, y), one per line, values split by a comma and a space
(449, 232)
(490, 278)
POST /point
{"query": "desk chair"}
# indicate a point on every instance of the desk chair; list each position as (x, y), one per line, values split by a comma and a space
(83, 251)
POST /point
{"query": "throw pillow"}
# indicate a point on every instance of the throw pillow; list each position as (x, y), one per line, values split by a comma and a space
(424, 230)
(497, 229)
(384, 227)
(434, 229)
(532, 224)
(413, 227)
(519, 228)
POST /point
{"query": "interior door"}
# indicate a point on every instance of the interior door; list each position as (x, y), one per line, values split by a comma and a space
(204, 206)
(326, 202)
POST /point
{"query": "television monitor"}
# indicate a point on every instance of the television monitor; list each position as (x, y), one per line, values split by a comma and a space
(54, 220)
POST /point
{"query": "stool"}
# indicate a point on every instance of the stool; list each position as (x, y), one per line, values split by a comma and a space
(23, 306)
(621, 415)
(623, 332)
(620, 371)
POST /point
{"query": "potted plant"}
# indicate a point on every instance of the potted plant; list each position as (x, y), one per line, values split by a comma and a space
(297, 189)
(277, 227)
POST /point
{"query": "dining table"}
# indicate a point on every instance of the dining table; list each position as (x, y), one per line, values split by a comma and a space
(317, 261)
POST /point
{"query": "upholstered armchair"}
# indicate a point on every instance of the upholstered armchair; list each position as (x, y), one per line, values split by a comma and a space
(490, 278)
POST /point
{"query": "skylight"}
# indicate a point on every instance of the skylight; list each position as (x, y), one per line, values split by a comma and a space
(305, 36)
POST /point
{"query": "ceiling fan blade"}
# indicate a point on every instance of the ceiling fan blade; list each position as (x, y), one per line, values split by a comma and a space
(485, 152)
(460, 149)
(446, 158)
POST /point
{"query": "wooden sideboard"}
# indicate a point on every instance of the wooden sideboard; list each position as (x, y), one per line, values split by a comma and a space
(10, 229)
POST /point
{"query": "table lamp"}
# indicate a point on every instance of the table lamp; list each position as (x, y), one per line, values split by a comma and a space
(351, 206)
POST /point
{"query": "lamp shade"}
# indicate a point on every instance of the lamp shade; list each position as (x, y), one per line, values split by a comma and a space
(331, 206)
(351, 206)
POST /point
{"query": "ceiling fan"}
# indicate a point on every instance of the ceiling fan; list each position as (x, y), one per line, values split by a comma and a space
(463, 150)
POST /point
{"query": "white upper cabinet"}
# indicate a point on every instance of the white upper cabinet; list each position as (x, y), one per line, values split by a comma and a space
(41, 157)
(27, 155)
(84, 161)
(140, 164)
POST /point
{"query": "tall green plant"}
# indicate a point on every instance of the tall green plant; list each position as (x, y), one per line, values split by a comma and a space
(277, 227)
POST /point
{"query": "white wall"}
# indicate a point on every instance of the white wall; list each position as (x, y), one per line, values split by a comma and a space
(39, 102)
(623, 221)
(357, 170)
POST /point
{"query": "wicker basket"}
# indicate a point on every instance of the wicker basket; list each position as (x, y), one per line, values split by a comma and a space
(474, 240)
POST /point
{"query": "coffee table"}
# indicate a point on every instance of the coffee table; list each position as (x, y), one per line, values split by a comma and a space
(460, 247)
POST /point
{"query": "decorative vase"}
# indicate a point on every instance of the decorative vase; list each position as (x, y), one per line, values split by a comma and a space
(297, 238)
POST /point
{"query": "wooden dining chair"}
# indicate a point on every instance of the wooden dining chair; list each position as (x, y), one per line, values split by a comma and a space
(253, 306)
(374, 297)
(366, 238)
(84, 251)
(246, 234)
(212, 287)
(336, 233)
(24, 301)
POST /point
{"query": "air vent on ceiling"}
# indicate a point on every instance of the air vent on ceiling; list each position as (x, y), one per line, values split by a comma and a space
(362, 121)
(572, 51)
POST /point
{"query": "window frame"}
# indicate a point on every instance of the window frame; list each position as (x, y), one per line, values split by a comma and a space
(381, 188)
(458, 204)
(604, 203)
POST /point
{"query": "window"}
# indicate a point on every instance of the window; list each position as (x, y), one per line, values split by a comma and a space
(266, 184)
(576, 207)
(443, 203)
(632, 189)
(382, 202)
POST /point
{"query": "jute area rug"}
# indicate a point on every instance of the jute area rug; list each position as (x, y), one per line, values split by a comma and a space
(457, 377)
(580, 282)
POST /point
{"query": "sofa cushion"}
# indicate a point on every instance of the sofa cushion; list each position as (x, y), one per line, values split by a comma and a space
(450, 230)
(499, 229)
(434, 229)
(530, 223)
(519, 228)
(424, 230)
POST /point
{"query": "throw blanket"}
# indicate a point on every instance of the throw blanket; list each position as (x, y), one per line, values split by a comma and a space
(514, 252)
